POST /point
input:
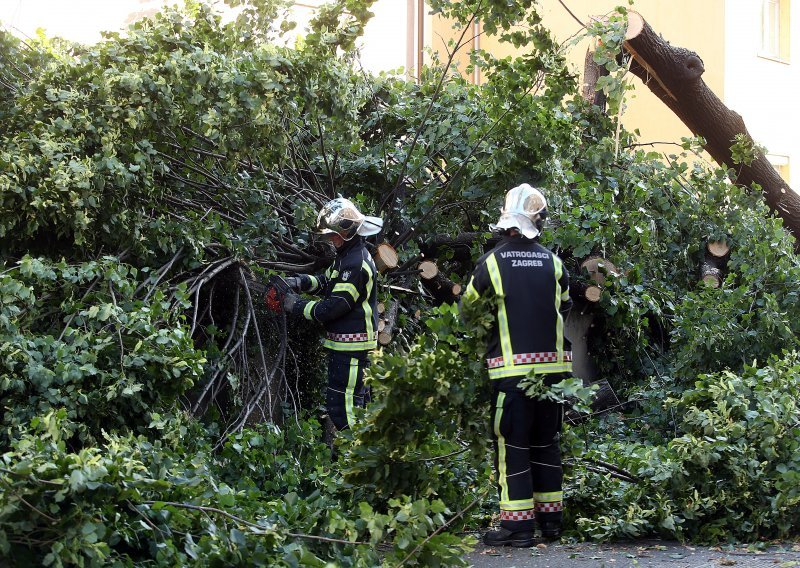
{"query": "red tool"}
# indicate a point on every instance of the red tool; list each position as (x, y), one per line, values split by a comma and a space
(277, 289)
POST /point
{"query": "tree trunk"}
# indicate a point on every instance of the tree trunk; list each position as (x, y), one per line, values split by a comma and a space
(440, 286)
(577, 328)
(712, 270)
(718, 249)
(460, 245)
(585, 292)
(597, 268)
(591, 73)
(673, 74)
(385, 257)
(389, 323)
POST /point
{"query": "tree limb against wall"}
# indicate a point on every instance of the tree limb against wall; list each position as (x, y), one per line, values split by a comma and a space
(674, 75)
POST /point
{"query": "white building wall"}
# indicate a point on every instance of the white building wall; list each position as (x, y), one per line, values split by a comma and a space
(763, 90)
(384, 46)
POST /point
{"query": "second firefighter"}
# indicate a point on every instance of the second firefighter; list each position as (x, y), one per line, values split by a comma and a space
(347, 308)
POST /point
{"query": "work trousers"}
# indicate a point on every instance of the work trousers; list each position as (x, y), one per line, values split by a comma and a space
(527, 461)
(346, 385)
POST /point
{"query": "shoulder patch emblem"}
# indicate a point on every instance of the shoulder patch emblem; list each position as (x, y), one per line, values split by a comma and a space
(346, 275)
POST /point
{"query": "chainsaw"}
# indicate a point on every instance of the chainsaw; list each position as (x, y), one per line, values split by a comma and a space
(274, 291)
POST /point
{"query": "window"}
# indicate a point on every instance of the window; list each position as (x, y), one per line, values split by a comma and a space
(775, 29)
(781, 165)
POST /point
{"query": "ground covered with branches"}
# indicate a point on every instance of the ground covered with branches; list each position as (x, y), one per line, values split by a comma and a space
(154, 413)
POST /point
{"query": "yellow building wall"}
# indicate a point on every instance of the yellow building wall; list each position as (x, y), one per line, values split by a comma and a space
(696, 25)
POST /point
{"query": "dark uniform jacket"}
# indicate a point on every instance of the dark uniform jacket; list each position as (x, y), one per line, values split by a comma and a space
(531, 289)
(349, 299)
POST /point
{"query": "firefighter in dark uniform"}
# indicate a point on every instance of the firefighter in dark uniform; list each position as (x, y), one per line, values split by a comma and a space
(347, 308)
(530, 288)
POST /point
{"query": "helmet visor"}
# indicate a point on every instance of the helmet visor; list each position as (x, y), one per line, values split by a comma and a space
(341, 217)
(370, 226)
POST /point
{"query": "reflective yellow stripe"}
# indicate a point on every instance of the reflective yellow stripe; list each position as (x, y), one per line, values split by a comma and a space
(518, 505)
(559, 269)
(471, 294)
(314, 283)
(349, 391)
(501, 448)
(565, 296)
(523, 370)
(308, 309)
(350, 345)
(502, 316)
(550, 497)
(365, 304)
(346, 287)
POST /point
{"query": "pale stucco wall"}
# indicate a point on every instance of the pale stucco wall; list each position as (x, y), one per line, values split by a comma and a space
(764, 91)
(75, 20)
(698, 26)
(383, 45)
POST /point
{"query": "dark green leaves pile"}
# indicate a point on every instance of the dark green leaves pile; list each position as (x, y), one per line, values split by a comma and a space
(144, 181)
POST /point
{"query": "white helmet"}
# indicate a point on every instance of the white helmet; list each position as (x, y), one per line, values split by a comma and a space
(525, 209)
(339, 216)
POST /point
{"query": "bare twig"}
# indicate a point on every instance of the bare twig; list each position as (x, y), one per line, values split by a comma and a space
(31, 477)
(263, 529)
(574, 17)
(42, 513)
(434, 98)
(160, 274)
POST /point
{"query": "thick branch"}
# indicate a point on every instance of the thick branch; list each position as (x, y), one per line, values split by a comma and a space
(674, 75)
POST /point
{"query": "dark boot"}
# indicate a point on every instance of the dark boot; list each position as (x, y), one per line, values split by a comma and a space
(551, 530)
(504, 537)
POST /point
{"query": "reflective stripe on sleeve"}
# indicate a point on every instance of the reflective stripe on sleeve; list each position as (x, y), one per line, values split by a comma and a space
(346, 287)
(308, 309)
(471, 294)
(314, 283)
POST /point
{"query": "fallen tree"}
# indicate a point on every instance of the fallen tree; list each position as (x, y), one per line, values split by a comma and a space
(155, 411)
(674, 75)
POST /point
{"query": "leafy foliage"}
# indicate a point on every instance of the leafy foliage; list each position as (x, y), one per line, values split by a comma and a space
(729, 474)
(153, 413)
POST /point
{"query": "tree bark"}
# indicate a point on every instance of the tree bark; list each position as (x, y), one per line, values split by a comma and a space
(440, 287)
(674, 74)
(390, 321)
(591, 73)
(715, 261)
(597, 268)
(460, 245)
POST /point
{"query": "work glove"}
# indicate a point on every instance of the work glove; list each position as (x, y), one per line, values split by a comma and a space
(294, 282)
(289, 300)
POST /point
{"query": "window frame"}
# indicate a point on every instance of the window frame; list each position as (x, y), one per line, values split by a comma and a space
(775, 30)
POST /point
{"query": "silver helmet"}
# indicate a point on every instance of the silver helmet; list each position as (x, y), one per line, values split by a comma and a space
(340, 216)
(525, 209)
